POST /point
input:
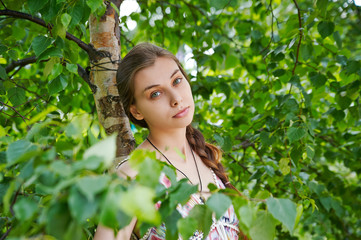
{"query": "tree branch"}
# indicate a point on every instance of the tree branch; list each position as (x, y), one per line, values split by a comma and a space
(21, 63)
(92, 52)
(84, 74)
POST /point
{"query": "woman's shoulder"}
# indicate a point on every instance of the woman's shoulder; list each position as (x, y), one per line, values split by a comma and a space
(124, 169)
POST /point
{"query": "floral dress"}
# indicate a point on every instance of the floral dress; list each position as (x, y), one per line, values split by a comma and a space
(226, 228)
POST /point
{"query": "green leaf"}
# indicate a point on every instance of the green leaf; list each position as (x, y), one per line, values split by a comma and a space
(343, 102)
(171, 225)
(295, 133)
(65, 19)
(19, 150)
(92, 185)
(278, 72)
(247, 214)
(110, 214)
(306, 51)
(265, 139)
(49, 66)
(81, 208)
(40, 44)
(13, 54)
(73, 68)
(325, 28)
(297, 152)
(151, 170)
(299, 213)
(36, 5)
(322, 6)
(310, 150)
(220, 4)
(3, 74)
(78, 126)
(326, 202)
(317, 79)
(203, 215)
(94, 4)
(283, 210)
(138, 202)
(339, 115)
(57, 219)
(3, 49)
(16, 96)
(337, 37)
(284, 166)
(219, 203)
(50, 52)
(352, 66)
(104, 149)
(187, 226)
(182, 193)
(18, 32)
(24, 209)
(56, 70)
(263, 227)
(74, 231)
(218, 139)
(57, 84)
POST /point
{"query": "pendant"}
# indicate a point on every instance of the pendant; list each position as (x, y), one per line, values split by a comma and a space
(203, 200)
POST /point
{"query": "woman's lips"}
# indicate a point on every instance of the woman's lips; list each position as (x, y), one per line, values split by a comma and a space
(181, 113)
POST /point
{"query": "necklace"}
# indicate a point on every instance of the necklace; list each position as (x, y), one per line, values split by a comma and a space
(195, 162)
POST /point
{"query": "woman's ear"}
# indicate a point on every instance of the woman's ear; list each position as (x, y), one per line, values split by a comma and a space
(136, 114)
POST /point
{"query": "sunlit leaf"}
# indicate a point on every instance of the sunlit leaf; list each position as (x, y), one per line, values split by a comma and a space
(283, 210)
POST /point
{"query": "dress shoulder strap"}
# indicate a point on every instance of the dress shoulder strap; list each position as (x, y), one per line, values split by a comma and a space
(121, 162)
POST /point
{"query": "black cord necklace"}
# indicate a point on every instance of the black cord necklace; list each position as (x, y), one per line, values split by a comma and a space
(195, 162)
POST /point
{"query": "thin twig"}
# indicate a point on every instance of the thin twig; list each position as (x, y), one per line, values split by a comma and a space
(3, 4)
(308, 65)
(239, 163)
(32, 92)
(14, 109)
(6, 233)
(322, 45)
(300, 37)
(126, 39)
(272, 16)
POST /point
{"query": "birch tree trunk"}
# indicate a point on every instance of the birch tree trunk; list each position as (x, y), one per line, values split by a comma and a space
(105, 38)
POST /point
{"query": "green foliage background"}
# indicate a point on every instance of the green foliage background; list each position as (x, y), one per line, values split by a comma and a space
(277, 87)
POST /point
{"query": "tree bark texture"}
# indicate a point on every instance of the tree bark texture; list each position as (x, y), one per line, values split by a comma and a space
(105, 38)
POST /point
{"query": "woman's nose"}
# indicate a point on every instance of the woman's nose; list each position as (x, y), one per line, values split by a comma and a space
(176, 98)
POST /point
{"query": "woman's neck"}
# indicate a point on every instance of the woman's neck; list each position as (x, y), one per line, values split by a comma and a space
(168, 141)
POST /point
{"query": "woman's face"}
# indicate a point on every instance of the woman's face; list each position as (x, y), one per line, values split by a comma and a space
(163, 97)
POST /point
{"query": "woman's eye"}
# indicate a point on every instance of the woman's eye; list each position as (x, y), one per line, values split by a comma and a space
(177, 81)
(154, 94)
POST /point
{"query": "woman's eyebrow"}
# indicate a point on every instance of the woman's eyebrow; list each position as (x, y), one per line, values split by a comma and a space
(156, 85)
(151, 86)
(175, 71)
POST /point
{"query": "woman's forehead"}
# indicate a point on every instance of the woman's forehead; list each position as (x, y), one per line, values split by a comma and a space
(163, 69)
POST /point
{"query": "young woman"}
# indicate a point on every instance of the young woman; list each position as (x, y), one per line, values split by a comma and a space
(156, 94)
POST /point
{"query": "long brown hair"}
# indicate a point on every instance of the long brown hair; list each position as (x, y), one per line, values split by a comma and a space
(144, 55)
